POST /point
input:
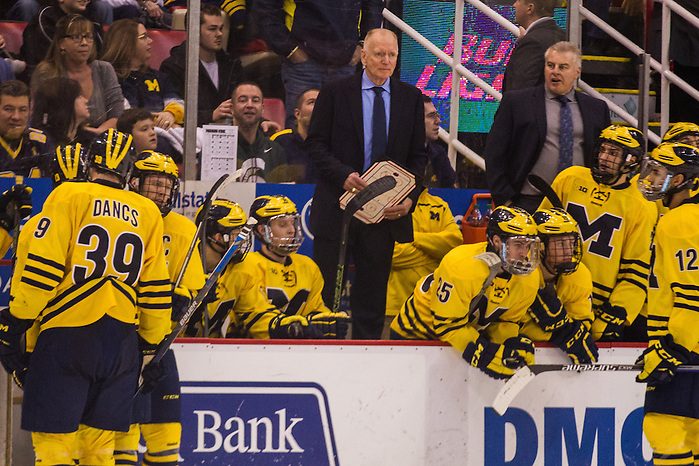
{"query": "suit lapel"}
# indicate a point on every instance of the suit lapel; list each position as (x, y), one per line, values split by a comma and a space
(355, 101)
(394, 116)
(539, 105)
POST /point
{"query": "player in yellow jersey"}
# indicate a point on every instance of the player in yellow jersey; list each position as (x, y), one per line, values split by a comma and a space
(158, 414)
(93, 272)
(239, 306)
(293, 282)
(616, 224)
(671, 422)
(435, 233)
(562, 311)
(483, 324)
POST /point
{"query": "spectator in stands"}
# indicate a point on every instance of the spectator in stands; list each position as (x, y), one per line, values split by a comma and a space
(72, 54)
(235, 9)
(435, 233)
(302, 170)
(22, 150)
(542, 130)
(218, 71)
(150, 13)
(127, 46)
(318, 41)
(40, 31)
(60, 110)
(26, 10)
(439, 172)
(259, 158)
(139, 123)
(538, 32)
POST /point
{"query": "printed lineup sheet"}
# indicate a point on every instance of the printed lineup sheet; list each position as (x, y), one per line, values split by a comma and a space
(219, 154)
(372, 212)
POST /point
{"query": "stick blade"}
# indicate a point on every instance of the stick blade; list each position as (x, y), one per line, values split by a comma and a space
(511, 389)
(371, 191)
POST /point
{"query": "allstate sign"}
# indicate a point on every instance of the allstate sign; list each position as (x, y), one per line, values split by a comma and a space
(256, 423)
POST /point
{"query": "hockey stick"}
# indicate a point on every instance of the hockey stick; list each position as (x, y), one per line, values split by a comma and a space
(200, 220)
(164, 345)
(526, 374)
(371, 191)
(546, 189)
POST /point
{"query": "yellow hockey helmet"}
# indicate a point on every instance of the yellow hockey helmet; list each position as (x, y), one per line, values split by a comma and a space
(151, 163)
(68, 164)
(681, 130)
(112, 152)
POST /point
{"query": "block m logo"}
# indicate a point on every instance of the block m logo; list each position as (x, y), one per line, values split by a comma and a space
(602, 228)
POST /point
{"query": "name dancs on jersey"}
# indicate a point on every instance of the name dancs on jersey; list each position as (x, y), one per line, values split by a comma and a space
(114, 209)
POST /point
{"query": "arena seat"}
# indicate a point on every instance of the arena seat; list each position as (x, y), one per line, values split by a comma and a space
(274, 111)
(12, 32)
(163, 41)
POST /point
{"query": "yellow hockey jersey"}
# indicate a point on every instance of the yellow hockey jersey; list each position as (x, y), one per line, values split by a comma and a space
(616, 226)
(435, 234)
(178, 232)
(240, 309)
(95, 251)
(293, 287)
(574, 290)
(439, 306)
(674, 304)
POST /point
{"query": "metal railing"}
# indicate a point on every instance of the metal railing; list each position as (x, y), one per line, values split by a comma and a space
(576, 13)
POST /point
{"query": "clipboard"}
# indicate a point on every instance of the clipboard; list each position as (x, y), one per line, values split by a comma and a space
(372, 212)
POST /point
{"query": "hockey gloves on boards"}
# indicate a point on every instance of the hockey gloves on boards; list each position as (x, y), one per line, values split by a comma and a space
(291, 327)
(500, 361)
(12, 355)
(660, 360)
(327, 325)
(609, 322)
(576, 340)
(152, 373)
(15, 203)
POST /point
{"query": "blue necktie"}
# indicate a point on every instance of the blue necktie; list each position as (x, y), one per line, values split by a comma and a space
(378, 126)
(565, 137)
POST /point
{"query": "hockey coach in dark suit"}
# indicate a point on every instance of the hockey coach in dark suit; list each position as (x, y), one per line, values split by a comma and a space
(542, 130)
(356, 121)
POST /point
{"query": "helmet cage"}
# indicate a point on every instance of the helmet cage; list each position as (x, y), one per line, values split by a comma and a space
(559, 257)
(154, 164)
(665, 162)
(282, 246)
(510, 246)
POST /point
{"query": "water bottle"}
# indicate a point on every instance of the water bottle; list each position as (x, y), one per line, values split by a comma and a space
(476, 218)
(488, 212)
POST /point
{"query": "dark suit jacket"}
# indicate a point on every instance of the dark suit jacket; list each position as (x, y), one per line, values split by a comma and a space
(526, 66)
(335, 144)
(518, 133)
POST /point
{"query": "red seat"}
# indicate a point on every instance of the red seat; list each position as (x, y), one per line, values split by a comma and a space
(274, 111)
(163, 41)
(12, 32)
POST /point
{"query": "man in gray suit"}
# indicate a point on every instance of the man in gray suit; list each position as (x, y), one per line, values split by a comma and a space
(539, 32)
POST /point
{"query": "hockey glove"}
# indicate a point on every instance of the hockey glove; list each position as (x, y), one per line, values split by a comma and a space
(548, 312)
(181, 299)
(610, 322)
(327, 325)
(660, 360)
(152, 373)
(284, 326)
(576, 340)
(499, 361)
(18, 198)
(12, 355)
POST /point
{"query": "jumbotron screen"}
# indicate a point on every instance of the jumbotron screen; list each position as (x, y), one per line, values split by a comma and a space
(486, 50)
